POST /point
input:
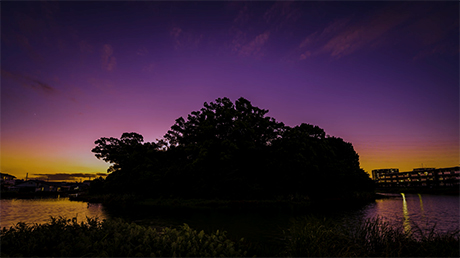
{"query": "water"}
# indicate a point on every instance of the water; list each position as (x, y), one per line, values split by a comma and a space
(412, 211)
(406, 211)
(250, 225)
(39, 211)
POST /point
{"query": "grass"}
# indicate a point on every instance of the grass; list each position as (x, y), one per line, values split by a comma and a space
(112, 238)
(314, 237)
(308, 236)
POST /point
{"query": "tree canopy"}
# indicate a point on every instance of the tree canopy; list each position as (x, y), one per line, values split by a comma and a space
(234, 151)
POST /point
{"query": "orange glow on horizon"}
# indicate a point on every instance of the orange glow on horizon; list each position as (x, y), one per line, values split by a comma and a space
(17, 162)
(406, 158)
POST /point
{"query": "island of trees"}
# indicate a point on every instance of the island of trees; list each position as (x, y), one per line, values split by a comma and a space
(229, 153)
(232, 151)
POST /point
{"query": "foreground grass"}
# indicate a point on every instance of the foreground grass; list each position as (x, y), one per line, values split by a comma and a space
(314, 237)
(112, 238)
(307, 237)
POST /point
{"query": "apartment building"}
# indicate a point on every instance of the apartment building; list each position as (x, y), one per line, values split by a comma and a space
(419, 177)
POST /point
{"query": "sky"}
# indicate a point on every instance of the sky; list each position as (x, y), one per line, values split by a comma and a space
(383, 76)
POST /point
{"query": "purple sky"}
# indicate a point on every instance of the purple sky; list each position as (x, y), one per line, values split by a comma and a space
(381, 75)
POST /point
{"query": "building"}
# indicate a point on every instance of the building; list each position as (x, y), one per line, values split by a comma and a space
(419, 177)
(379, 173)
(7, 179)
(26, 187)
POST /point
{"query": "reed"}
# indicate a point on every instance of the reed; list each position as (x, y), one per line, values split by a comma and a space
(308, 236)
(315, 237)
(112, 238)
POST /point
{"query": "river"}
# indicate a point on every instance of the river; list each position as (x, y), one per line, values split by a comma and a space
(406, 211)
(410, 211)
(39, 210)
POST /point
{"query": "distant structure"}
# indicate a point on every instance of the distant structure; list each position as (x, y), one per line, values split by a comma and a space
(6, 179)
(419, 177)
(379, 173)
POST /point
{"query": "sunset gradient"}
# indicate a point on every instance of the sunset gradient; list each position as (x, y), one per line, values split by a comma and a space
(381, 75)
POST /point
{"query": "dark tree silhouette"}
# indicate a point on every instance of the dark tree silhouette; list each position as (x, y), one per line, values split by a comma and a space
(133, 161)
(233, 151)
(223, 142)
(118, 151)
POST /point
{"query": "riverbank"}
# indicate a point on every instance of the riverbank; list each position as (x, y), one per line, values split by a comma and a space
(421, 190)
(290, 203)
(178, 204)
(32, 195)
(308, 237)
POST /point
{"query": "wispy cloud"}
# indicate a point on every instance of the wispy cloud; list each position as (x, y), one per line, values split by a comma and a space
(50, 9)
(252, 48)
(142, 51)
(281, 14)
(344, 37)
(314, 43)
(85, 47)
(24, 42)
(392, 25)
(100, 83)
(438, 49)
(29, 82)
(68, 176)
(247, 40)
(108, 60)
(243, 15)
(149, 68)
(438, 36)
(184, 39)
(358, 36)
(305, 55)
(175, 32)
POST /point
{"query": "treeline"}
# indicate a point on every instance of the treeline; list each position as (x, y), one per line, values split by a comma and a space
(232, 151)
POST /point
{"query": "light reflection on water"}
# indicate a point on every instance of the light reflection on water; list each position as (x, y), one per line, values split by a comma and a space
(39, 211)
(412, 211)
(406, 222)
(406, 211)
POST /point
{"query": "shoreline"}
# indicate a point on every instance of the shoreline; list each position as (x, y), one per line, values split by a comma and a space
(16, 195)
(309, 236)
(416, 190)
(181, 204)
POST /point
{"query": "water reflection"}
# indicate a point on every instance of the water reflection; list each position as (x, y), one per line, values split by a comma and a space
(421, 206)
(39, 211)
(403, 211)
(410, 211)
(406, 221)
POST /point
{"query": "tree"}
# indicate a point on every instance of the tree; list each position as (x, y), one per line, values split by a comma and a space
(119, 152)
(133, 161)
(97, 186)
(224, 121)
(223, 141)
(233, 150)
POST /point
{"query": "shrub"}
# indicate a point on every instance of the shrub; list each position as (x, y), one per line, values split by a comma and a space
(112, 238)
(315, 237)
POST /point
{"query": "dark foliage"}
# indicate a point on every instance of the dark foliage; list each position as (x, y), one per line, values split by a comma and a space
(315, 237)
(307, 237)
(63, 237)
(233, 151)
